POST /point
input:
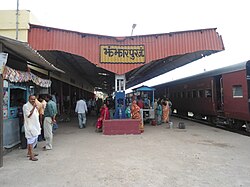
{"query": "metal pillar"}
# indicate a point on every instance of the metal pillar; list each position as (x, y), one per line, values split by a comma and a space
(120, 85)
(17, 22)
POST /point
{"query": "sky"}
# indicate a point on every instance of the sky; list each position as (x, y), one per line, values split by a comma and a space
(116, 17)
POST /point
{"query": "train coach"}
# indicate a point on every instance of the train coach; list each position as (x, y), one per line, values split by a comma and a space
(220, 96)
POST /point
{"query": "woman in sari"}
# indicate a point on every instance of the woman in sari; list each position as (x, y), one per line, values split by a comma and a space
(165, 111)
(104, 115)
(159, 113)
(135, 114)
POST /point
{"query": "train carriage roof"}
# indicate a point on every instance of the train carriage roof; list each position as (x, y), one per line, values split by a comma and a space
(219, 71)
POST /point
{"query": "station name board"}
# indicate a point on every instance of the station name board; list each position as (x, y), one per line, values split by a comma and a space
(122, 54)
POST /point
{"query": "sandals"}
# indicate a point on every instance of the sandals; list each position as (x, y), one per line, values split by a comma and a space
(35, 154)
(33, 159)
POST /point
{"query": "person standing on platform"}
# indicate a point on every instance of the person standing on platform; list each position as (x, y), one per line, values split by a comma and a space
(41, 116)
(159, 112)
(136, 114)
(128, 111)
(99, 104)
(104, 115)
(81, 109)
(140, 102)
(49, 119)
(89, 104)
(55, 98)
(31, 125)
(141, 105)
(165, 111)
(170, 107)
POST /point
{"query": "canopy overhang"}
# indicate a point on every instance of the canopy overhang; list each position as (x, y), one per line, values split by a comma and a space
(161, 66)
(80, 53)
(23, 50)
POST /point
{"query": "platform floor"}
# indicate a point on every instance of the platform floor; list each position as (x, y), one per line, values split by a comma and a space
(198, 156)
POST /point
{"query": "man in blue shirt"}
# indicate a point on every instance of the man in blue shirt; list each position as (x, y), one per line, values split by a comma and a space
(49, 119)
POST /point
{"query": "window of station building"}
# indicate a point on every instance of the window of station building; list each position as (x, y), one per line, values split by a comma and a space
(237, 91)
(200, 93)
(189, 95)
(194, 93)
(208, 93)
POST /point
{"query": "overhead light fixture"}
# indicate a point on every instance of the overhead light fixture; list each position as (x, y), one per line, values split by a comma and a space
(104, 74)
(133, 27)
(98, 88)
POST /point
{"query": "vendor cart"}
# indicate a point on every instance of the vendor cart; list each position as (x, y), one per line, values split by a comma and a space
(147, 95)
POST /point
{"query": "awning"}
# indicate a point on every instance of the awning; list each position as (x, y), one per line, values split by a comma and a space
(25, 51)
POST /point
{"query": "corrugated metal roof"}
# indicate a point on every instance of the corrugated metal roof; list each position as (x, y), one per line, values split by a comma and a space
(25, 51)
(163, 52)
(157, 46)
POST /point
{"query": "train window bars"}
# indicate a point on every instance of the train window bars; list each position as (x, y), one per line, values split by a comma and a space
(237, 91)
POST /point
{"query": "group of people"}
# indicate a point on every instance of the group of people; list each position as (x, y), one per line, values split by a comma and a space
(162, 109)
(39, 115)
(132, 111)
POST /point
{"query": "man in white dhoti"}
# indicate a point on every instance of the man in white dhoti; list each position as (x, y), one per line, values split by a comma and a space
(32, 125)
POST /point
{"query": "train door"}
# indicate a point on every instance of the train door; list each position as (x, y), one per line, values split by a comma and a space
(248, 83)
(219, 93)
(248, 92)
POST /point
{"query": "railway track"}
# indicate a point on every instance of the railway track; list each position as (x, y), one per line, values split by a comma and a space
(241, 131)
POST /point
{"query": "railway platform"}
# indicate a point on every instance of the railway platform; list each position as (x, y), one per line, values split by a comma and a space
(198, 155)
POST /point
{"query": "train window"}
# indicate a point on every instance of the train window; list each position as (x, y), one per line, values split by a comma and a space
(182, 94)
(201, 93)
(237, 91)
(194, 93)
(175, 95)
(179, 95)
(208, 93)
